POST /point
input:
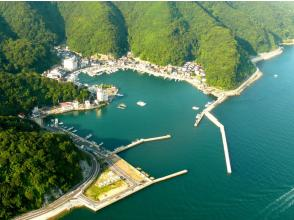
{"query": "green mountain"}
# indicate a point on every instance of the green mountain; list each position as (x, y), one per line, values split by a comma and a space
(33, 162)
(219, 35)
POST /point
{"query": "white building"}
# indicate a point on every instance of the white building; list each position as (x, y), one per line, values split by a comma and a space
(102, 95)
(75, 104)
(70, 64)
(87, 104)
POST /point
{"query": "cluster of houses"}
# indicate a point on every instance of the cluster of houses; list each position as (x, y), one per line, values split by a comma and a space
(73, 62)
(103, 95)
(70, 62)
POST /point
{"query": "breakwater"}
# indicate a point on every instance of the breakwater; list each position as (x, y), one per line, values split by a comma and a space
(140, 141)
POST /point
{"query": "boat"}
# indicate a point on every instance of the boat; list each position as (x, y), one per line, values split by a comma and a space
(208, 104)
(141, 103)
(122, 106)
(88, 136)
(195, 108)
(60, 123)
(70, 128)
(276, 75)
(119, 95)
(74, 131)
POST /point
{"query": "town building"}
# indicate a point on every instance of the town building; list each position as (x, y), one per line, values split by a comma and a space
(56, 73)
(102, 95)
(71, 63)
(66, 106)
(87, 104)
(75, 104)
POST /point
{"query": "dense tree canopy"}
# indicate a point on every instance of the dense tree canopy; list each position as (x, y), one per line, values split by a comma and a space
(32, 163)
(94, 27)
(22, 92)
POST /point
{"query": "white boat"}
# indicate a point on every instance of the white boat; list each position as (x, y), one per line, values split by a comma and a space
(141, 103)
(60, 123)
(74, 131)
(195, 108)
(208, 104)
(88, 136)
(121, 106)
(276, 75)
(70, 128)
(119, 95)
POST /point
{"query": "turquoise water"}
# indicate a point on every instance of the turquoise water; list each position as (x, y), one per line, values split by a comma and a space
(260, 133)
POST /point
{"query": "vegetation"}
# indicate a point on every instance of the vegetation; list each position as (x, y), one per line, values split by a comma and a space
(219, 35)
(32, 163)
(94, 27)
(22, 92)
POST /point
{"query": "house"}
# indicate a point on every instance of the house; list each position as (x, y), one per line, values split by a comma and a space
(56, 73)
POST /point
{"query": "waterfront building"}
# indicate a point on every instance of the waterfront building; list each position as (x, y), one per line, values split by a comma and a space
(87, 104)
(71, 63)
(102, 95)
(75, 104)
(66, 106)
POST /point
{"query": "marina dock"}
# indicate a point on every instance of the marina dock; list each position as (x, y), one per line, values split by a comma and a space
(140, 141)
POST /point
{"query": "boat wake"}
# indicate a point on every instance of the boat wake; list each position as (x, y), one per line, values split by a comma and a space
(278, 206)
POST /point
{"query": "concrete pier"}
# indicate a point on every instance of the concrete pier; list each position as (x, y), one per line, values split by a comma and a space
(140, 141)
(170, 176)
(224, 139)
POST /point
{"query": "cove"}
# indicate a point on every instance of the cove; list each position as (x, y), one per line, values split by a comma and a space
(259, 126)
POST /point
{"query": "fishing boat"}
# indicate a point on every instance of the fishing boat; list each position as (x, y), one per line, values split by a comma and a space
(121, 106)
(195, 108)
(141, 103)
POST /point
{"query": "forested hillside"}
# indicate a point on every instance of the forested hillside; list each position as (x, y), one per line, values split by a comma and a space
(22, 92)
(219, 35)
(32, 163)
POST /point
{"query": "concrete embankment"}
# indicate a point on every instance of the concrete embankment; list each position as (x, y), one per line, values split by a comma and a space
(224, 139)
(267, 55)
(140, 141)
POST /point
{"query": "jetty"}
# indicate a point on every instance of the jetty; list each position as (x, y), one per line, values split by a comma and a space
(170, 176)
(224, 139)
(140, 141)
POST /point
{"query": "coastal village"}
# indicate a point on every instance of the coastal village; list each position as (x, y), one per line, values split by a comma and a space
(73, 64)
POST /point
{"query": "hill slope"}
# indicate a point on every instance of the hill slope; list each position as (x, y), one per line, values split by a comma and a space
(219, 35)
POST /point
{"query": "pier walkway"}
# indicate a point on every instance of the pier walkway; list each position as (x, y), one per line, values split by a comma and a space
(140, 141)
